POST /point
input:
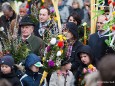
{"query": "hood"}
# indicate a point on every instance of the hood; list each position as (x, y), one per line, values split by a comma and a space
(31, 60)
(86, 49)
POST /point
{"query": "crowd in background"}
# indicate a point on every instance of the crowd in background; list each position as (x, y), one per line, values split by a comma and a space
(73, 14)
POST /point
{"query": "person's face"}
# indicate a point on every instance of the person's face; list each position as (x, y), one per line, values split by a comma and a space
(34, 68)
(5, 69)
(85, 58)
(26, 30)
(43, 16)
(68, 66)
(71, 19)
(67, 34)
(100, 23)
(22, 12)
(75, 5)
(8, 13)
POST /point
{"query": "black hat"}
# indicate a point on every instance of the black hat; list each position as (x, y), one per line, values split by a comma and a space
(65, 61)
(8, 60)
(72, 28)
(26, 20)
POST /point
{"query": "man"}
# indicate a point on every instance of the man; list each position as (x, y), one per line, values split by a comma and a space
(8, 16)
(97, 40)
(15, 23)
(45, 23)
(35, 44)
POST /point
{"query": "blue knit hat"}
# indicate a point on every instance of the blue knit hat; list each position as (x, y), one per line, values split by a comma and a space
(7, 60)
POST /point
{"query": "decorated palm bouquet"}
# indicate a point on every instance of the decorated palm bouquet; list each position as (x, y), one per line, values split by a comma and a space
(54, 53)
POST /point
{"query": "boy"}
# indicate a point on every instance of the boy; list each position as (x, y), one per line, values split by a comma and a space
(32, 77)
(63, 77)
(7, 70)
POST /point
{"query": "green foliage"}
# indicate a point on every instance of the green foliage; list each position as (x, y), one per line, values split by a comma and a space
(98, 13)
(15, 47)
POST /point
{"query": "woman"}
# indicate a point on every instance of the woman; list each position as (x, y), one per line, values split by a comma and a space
(71, 33)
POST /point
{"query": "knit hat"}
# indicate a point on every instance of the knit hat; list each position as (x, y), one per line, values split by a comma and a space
(7, 60)
(26, 20)
(65, 61)
(72, 28)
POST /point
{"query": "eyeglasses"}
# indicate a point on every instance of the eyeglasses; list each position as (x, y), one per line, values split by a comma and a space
(100, 22)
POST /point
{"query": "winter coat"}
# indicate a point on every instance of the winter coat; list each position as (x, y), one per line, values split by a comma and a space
(59, 79)
(79, 11)
(78, 74)
(98, 45)
(74, 59)
(30, 78)
(4, 22)
(35, 44)
(12, 78)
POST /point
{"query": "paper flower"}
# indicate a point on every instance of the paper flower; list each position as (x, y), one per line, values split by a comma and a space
(61, 37)
(1, 29)
(48, 48)
(60, 44)
(51, 63)
(113, 27)
(84, 24)
(53, 41)
(84, 71)
(58, 53)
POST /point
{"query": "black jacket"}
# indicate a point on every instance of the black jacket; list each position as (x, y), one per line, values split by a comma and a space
(98, 45)
(85, 49)
(74, 59)
(12, 78)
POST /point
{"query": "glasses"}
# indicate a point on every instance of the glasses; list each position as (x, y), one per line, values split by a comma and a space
(99, 22)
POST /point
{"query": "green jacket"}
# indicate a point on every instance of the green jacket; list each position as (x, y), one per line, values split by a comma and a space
(36, 45)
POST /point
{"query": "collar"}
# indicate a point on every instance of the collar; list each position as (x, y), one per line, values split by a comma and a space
(45, 24)
(101, 34)
(26, 37)
(59, 72)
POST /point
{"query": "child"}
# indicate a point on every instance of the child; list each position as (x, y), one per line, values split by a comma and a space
(7, 70)
(32, 77)
(63, 77)
(86, 58)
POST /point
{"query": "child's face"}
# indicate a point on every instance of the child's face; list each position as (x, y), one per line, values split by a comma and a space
(85, 58)
(5, 69)
(34, 68)
(68, 66)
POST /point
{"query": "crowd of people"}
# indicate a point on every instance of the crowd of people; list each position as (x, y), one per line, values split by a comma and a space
(80, 60)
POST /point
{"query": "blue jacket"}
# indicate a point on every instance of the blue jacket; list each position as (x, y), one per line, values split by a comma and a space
(30, 78)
